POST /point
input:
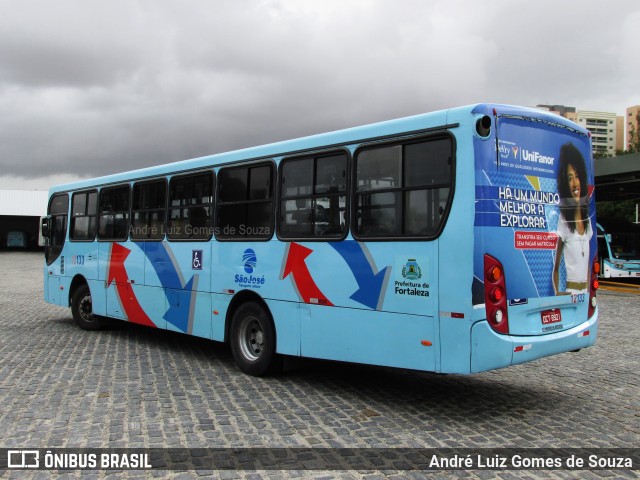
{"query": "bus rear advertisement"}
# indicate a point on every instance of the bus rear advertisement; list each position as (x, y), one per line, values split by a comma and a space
(456, 241)
(535, 223)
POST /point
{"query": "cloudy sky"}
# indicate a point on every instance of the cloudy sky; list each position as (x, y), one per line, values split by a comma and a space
(95, 87)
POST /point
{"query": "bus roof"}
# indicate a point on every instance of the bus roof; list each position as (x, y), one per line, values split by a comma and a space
(361, 134)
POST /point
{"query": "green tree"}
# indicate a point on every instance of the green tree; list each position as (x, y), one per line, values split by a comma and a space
(617, 209)
(627, 208)
(634, 138)
(634, 141)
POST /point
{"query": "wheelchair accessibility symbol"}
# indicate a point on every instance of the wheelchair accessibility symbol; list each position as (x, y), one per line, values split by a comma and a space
(196, 259)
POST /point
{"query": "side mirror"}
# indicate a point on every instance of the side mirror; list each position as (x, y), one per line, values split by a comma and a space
(45, 229)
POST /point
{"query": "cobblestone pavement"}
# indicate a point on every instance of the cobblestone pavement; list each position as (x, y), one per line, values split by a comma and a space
(136, 387)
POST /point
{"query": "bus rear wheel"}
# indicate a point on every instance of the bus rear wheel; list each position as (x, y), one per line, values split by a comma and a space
(253, 341)
(82, 309)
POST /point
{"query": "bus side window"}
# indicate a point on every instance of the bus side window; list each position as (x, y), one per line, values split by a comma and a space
(245, 203)
(403, 190)
(191, 207)
(148, 210)
(313, 197)
(84, 216)
(113, 218)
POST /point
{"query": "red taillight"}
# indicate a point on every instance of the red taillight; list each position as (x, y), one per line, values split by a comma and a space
(593, 287)
(497, 295)
(495, 298)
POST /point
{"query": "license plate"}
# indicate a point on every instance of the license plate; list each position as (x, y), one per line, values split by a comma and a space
(551, 316)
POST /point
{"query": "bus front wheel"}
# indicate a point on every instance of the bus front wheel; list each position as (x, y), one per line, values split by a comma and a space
(253, 340)
(82, 309)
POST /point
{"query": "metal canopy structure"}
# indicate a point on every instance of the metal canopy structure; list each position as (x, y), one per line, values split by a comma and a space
(23, 203)
(618, 178)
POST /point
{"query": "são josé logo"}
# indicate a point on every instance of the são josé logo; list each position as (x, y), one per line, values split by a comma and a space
(250, 260)
(411, 272)
(249, 265)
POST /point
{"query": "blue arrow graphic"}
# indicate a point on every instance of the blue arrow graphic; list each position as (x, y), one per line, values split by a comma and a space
(179, 310)
(163, 264)
(371, 285)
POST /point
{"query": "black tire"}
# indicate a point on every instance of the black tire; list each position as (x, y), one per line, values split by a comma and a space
(253, 341)
(82, 310)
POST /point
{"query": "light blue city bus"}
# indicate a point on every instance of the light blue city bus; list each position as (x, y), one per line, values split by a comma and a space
(456, 241)
(618, 248)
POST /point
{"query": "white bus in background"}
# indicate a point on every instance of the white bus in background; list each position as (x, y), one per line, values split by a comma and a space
(619, 248)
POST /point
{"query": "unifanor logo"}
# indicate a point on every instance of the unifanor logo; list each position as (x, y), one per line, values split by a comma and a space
(514, 150)
(536, 157)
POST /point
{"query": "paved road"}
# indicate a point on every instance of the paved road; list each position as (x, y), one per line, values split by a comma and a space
(135, 387)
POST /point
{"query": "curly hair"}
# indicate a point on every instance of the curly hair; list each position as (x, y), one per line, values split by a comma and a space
(570, 155)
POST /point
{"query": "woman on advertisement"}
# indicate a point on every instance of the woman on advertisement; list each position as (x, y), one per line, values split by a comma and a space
(574, 226)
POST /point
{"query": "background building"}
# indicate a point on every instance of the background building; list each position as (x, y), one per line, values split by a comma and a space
(20, 212)
(603, 127)
(607, 129)
(620, 134)
(632, 122)
(562, 110)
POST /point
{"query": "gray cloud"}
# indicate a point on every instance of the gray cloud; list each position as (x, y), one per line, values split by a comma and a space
(89, 88)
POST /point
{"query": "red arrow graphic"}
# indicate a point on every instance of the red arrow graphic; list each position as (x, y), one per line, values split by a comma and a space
(118, 272)
(295, 265)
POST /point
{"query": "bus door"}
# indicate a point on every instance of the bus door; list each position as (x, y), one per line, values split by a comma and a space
(603, 249)
(124, 277)
(121, 263)
(83, 248)
(56, 224)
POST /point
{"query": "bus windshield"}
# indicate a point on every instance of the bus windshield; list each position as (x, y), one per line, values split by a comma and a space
(625, 246)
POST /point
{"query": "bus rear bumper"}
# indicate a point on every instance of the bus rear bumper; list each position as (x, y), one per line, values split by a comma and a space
(490, 350)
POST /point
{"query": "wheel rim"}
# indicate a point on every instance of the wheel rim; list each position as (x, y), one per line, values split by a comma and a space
(251, 338)
(85, 309)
